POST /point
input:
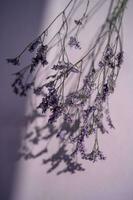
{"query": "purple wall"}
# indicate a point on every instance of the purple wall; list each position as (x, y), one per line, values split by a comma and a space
(19, 24)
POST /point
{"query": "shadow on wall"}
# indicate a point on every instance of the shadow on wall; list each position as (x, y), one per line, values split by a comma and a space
(45, 134)
(20, 22)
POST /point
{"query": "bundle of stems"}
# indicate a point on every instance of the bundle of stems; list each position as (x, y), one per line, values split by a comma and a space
(87, 104)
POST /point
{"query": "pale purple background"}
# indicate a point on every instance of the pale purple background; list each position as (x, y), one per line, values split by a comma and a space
(111, 179)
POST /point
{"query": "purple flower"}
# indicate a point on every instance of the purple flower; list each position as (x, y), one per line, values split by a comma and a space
(78, 22)
(42, 49)
(94, 155)
(34, 45)
(73, 42)
(39, 58)
(108, 53)
(119, 59)
(105, 91)
(101, 64)
(44, 104)
(56, 113)
(110, 124)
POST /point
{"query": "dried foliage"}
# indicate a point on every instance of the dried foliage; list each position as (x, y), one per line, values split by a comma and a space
(87, 105)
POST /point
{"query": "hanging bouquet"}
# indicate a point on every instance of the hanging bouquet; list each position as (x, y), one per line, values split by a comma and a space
(96, 72)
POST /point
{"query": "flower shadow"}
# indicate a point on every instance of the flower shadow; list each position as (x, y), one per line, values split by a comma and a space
(61, 159)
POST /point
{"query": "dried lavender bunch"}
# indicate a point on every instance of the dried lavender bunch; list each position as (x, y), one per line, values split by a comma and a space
(88, 102)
